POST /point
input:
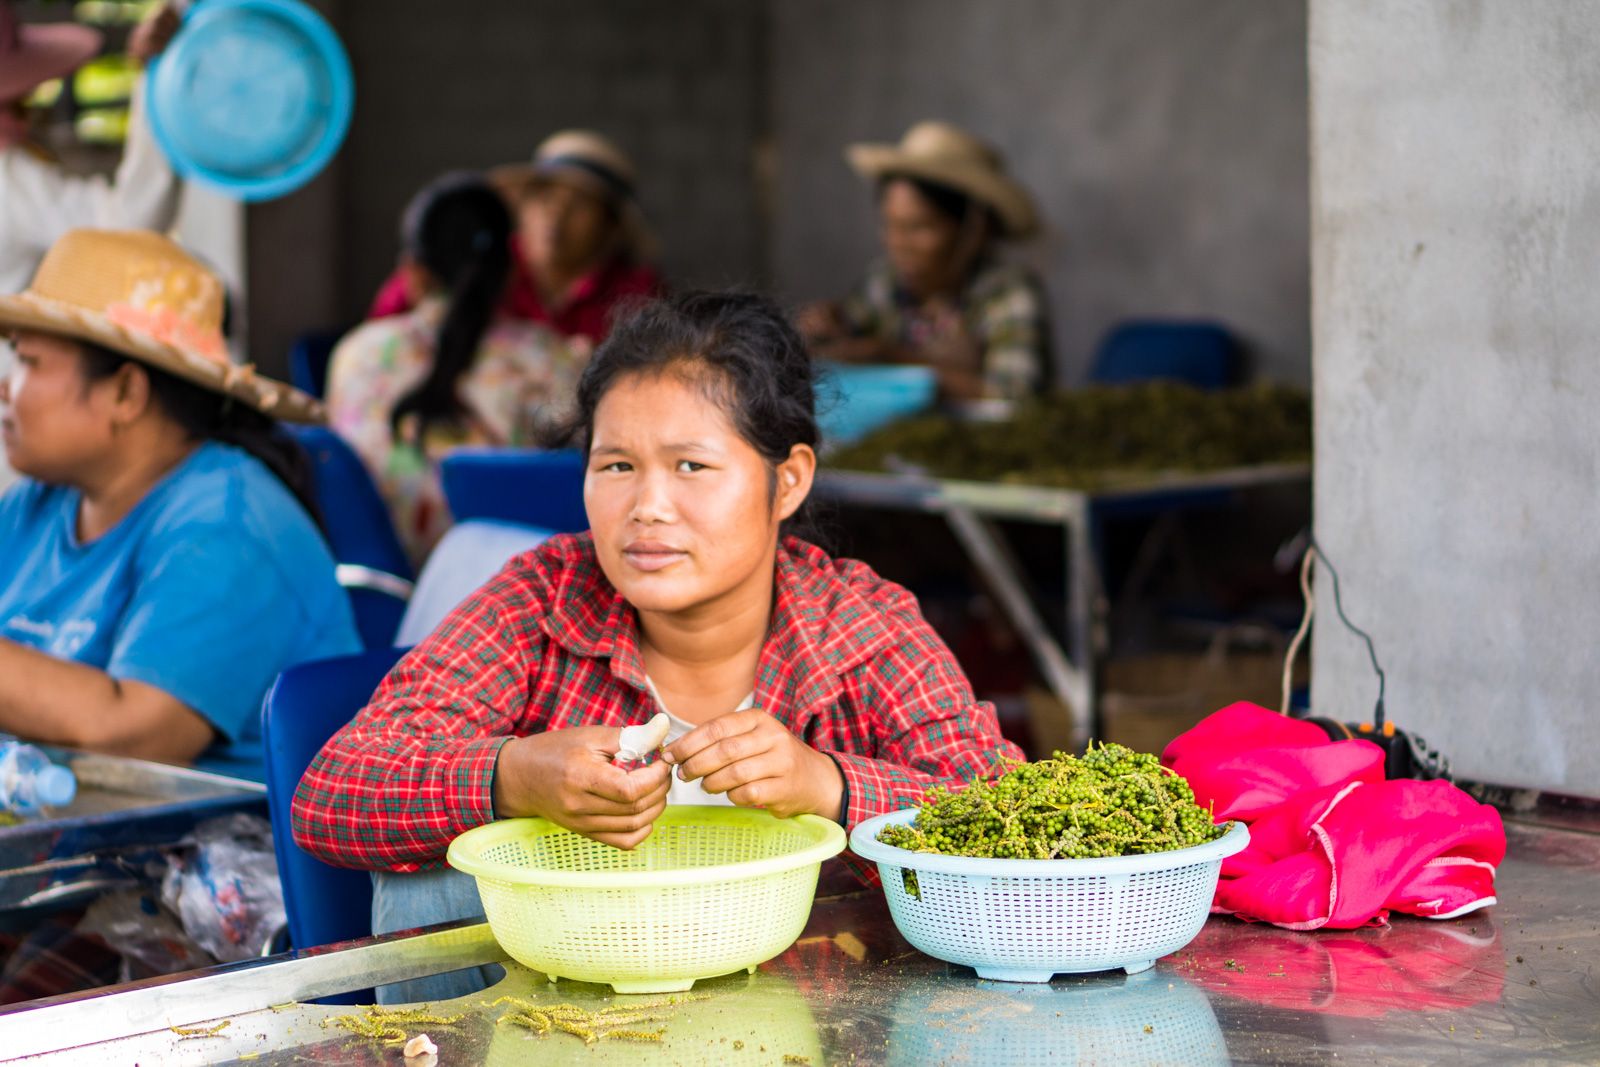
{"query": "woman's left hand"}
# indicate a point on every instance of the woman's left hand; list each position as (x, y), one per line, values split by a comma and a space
(154, 32)
(758, 763)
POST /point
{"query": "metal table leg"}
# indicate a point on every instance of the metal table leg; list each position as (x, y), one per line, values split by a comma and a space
(1071, 680)
(1086, 617)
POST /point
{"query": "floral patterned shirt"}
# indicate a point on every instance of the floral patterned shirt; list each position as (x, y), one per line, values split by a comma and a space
(1002, 308)
(523, 377)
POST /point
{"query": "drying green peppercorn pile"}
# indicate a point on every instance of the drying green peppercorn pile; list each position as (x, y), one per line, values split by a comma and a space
(1112, 801)
(1100, 436)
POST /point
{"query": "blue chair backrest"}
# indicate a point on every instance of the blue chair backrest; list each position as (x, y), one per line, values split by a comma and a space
(532, 488)
(357, 520)
(306, 706)
(309, 358)
(1202, 354)
(358, 526)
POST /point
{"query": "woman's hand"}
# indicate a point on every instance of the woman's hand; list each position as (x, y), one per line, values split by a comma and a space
(567, 777)
(758, 763)
(953, 353)
(154, 32)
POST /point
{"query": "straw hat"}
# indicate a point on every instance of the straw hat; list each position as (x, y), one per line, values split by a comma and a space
(948, 155)
(140, 294)
(32, 55)
(591, 162)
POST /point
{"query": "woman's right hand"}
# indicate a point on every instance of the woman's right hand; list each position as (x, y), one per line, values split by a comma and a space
(567, 776)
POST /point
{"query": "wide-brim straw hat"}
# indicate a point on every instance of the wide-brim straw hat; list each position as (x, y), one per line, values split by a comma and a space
(589, 161)
(32, 55)
(139, 293)
(950, 156)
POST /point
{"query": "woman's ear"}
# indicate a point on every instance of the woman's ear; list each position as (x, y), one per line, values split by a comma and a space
(131, 393)
(795, 476)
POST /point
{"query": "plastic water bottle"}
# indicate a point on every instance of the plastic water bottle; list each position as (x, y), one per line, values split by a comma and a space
(29, 781)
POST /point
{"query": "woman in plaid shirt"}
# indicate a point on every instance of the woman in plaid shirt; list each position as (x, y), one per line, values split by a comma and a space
(796, 682)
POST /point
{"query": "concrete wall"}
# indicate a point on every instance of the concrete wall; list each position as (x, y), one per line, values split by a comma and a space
(1165, 140)
(442, 87)
(675, 84)
(295, 251)
(1456, 239)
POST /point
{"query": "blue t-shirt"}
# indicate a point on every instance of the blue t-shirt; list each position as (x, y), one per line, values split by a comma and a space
(211, 585)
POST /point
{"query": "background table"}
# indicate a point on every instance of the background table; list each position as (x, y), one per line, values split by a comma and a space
(971, 509)
(125, 811)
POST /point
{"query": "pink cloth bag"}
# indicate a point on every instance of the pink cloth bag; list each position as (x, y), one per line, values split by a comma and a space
(1331, 843)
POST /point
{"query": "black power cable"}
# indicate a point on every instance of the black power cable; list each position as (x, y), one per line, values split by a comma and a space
(1406, 754)
(1338, 606)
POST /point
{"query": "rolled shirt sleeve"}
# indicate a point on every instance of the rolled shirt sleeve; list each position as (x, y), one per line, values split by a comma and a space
(929, 728)
(416, 766)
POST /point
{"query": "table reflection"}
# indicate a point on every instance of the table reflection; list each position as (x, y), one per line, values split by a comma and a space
(1148, 1018)
(1411, 965)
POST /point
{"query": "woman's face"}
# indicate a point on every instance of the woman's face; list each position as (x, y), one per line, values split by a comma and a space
(563, 228)
(921, 242)
(685, 512)
(54, 422)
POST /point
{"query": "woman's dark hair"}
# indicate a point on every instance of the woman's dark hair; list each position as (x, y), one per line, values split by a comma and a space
(739, 346)
(952, 203)
(211, 416)
(458, 230)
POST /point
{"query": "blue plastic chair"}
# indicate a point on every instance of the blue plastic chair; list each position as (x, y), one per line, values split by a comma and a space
(373, 567)
(532, 488)
(309, 359)
(306, 706)
(1202, 354)
(1198, 353)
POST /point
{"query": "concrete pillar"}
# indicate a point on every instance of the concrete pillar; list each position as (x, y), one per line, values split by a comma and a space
(1455, 320)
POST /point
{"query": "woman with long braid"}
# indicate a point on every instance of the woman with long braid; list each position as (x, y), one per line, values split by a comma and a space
(455, 370)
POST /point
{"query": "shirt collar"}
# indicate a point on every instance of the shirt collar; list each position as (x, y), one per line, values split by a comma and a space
(821, 627)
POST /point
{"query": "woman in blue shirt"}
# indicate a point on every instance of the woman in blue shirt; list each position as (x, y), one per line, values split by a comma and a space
(159, 565)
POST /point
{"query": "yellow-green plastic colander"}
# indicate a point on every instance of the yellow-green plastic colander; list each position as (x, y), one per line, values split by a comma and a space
(710, 891)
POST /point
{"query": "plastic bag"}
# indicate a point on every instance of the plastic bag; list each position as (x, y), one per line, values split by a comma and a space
(225, 888)
(147, 936)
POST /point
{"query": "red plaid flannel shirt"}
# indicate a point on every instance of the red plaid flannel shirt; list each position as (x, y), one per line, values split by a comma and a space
(850, 665)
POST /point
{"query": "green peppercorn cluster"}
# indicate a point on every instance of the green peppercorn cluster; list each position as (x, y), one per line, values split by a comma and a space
(1095, 437)
(1111, 801)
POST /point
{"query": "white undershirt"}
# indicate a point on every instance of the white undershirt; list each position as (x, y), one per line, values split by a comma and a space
(39, 201)
(693, 792)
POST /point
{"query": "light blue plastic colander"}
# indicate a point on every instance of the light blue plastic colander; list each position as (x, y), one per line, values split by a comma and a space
(253, 97)
(1026, 920)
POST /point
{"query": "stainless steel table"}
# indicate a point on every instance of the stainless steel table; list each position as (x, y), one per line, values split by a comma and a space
(1515, 983)
(971, 508)
(126, 809)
